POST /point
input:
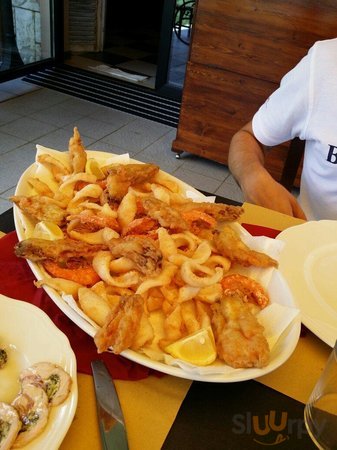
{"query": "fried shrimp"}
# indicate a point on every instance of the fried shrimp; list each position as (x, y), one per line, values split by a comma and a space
(246, 288)
(41, 208)
(121, 326)
(61, 250)
(167, 216)
(142, 225)
(93, 222)
(229, 244)
(85, 275)
(142, 251)
(218, 211)
(77, 153)
(199, 221)
(238, 335)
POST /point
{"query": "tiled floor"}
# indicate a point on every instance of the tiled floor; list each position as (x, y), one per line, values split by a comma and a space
(31, 115)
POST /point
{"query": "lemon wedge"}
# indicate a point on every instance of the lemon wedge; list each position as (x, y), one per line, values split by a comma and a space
(197, 348)
(93, 168)
(47, 230)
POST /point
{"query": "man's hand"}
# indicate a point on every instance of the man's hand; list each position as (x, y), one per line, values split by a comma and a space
(246, 162)
(261, 189)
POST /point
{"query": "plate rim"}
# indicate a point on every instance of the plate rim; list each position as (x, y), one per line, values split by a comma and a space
(320, 328)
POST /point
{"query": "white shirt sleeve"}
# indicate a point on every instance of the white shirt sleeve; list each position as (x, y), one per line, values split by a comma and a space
(284, 115)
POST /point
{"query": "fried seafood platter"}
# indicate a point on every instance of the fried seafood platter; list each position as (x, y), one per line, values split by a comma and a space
(151, 268)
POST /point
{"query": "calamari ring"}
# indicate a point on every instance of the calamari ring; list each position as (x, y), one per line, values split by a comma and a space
(189, 276)
(101, 264)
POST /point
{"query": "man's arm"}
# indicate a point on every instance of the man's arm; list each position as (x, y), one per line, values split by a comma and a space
(246, 162)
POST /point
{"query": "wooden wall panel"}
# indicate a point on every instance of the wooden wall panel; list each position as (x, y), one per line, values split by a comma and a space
(213, 108)
(259, 38)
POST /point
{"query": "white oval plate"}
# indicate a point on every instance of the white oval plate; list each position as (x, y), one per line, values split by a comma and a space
(29, 336)
(278, 291)
(308, 261)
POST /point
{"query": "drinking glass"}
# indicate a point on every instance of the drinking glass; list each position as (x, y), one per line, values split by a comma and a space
(320, 412)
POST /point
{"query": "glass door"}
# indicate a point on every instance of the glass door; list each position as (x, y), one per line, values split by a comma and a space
(27, 35)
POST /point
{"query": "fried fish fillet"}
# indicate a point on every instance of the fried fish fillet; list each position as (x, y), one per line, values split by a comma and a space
(60, 250)
(238, 335)
(121, 326)
(41, 208)
(229, 244)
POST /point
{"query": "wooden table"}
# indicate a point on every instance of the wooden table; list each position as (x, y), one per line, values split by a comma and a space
(151, 405)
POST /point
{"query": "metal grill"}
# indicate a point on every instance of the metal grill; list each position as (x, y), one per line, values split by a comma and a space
(108, 92)
(82, 24)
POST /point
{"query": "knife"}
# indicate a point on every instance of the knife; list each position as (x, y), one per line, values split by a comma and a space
(110, 416)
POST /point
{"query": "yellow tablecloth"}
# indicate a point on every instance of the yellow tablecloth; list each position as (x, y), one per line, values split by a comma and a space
(151, 405)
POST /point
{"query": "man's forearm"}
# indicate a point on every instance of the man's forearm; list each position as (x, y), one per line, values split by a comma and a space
(245, 156)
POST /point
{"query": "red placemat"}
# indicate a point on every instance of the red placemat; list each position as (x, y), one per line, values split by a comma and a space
(16, 281)
(258, 230)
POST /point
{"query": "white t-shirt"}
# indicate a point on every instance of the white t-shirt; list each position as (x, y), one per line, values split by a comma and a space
(305, 105)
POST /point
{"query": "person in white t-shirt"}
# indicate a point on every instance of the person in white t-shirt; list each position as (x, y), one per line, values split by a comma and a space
(304, 106)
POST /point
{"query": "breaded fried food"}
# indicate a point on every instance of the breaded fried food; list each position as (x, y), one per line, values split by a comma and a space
(77, 153)
(56, 167)
(135, 173)
(41, 208)
(219, 211)
(229, 244)
(121, 326)
(238, 335)
(122, 176)
(142, 251)
(60, 250)
(167, 216)
(246, 288)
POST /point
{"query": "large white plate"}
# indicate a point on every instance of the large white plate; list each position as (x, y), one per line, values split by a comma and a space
(309, 263)
(278, 291)
(29, 336)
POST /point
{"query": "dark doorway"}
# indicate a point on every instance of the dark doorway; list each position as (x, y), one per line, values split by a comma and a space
(133, 42)
(134, 28)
